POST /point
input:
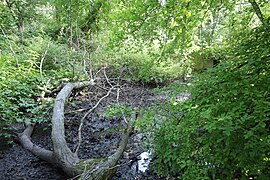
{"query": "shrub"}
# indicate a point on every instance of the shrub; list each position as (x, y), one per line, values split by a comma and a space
(207, 58)
(138, 66)
(56, 57)
(224, 129)
(18, 97)
(21, 74)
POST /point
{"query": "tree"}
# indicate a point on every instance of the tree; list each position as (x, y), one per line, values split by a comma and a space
(61, 155)
(257, 10)
(180, 26)
(223, 131)
(177, 29)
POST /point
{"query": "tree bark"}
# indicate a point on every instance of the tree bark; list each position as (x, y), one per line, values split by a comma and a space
(257, 10)
(24, 139)
(68, 160)
(62, 156)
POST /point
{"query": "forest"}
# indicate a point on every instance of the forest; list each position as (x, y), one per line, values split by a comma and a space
(143, 89)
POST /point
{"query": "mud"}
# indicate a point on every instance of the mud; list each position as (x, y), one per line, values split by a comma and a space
(100, 138)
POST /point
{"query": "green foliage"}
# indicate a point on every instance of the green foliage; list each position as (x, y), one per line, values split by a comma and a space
(137, 66)
(57, 59)
(224, 129)
(149, 119)
(177, 25)
(17, 83)
(18, 97)
(37, 62)
(118, 110)
(17, 11)
(207, 58)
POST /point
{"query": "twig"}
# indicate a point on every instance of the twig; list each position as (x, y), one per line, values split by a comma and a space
(42, 60)
(117, 100)
(85, 72)
(86, 114)
(107, 79)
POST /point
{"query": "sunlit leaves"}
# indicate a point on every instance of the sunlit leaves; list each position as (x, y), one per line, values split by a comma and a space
(174, 23)
(229, 128)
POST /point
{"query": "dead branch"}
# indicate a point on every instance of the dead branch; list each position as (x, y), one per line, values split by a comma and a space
(42, 60)
(62, 156)
(61, 150)
(85, 115)
(105, 169)
(25, 140)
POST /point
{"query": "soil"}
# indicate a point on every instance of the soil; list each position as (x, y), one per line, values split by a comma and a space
(100, 138)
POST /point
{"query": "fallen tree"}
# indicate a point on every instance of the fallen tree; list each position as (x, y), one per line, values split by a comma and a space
(61, 155)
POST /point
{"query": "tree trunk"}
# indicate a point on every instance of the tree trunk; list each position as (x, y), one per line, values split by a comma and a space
(257, 10)
(68, 160)
(62, 156)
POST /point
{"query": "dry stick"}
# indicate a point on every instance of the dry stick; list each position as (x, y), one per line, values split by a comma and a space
(41, 62)
(85, 115)
(117, 94)
(107, 79)
(40, 71)
(84, 66)
(85, 72)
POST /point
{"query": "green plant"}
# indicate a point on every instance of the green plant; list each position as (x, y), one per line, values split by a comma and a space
(29, 60)
(118, 110)
(20, 80)
(18, 98)
(137, 66)
(224, 129)
(207, 57)
(55, 59)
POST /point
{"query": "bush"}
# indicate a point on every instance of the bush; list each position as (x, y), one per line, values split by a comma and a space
(56, 57)
(207, 58)
(18, 98)
(224, 130)
(138, 66)
(21, 75)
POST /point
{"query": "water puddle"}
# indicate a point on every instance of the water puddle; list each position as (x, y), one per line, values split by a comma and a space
(144, 161)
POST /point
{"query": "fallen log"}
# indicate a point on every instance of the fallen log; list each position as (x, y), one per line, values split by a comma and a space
(61, 155)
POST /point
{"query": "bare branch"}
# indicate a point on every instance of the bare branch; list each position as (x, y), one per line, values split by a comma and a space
(42, 60)
(117, 100)
(25, 140)
(61, 155)
(85, 115)
(107, 79)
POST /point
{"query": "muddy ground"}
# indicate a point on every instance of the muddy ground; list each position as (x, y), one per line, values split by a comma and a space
(100, 137)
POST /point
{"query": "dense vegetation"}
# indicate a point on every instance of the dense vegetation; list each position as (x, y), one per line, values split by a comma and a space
(222, 131)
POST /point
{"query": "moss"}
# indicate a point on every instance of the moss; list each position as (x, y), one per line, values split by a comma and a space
(88, 163)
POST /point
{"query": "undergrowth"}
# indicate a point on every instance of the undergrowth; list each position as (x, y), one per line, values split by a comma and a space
(222, 131)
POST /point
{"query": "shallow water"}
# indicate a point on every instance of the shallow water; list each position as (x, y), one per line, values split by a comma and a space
(143, 163)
